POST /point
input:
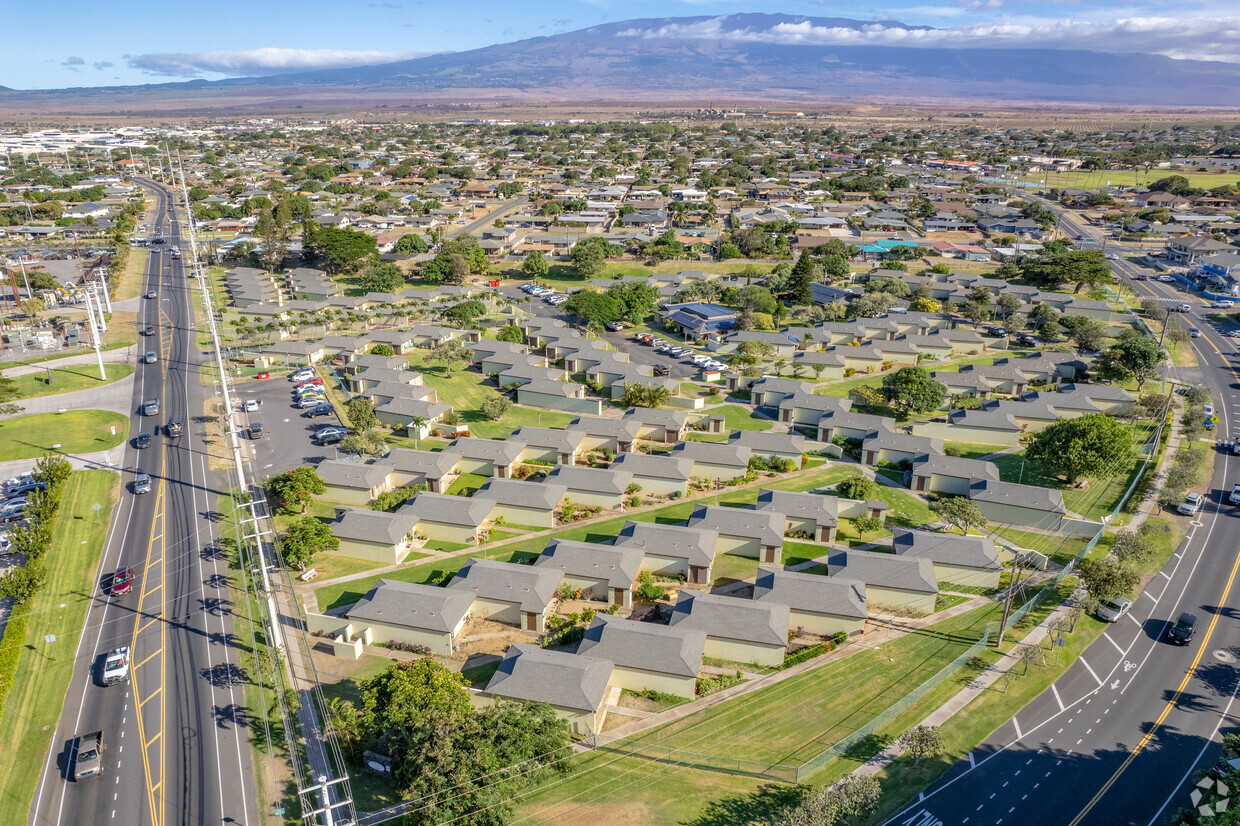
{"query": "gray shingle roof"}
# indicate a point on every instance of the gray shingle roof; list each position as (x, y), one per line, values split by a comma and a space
(521, 494)
(618, 565)
(824, 510)
(765, 526)
(412, 605)
(372, 526)
(530, 587)
(645, 645)
(880, 570)
(463, 511)
(904, 442)
(495, 450)
(343, 474)
(948, 549)
(530, 673)
(591, 480)
(565, 441)
(427, 462)
(767, 443)
(814, 593)
(724, 454)
(1010, 493)
(730, 618)
(930, 463)
(654, 467)
(597, 426)
(697, 544)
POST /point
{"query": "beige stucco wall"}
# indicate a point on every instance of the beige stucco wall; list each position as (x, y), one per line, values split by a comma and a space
(380, 632)
(876, 595)
(608, 501)
(957, 433)
(951, 485)
(347, 496)
(744, 652)
(591, 587)
(709, 471)
(524, 516)
(446, 533)
(592, 407)
(825, 624)
(1019, 516)
(970, 577)
(479, 467)
(663, 486)
(738, 546)
(507, 612)
(374, 551)
(541, 454)
(664, 565)
(635, 679)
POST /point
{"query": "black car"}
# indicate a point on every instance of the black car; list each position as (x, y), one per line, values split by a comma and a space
(320, 410)
(1181, 633)
(661, 370)
(143, 440)
(256, 430)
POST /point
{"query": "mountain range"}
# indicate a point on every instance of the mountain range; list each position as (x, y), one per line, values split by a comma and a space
(697, 60)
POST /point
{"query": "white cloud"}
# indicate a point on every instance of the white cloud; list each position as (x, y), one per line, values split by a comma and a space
(1200, 38)
(259, 61)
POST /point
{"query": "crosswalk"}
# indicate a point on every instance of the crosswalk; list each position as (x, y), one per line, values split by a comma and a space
(1165, 299)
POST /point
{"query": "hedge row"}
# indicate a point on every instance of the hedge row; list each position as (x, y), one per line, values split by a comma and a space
(11, 645)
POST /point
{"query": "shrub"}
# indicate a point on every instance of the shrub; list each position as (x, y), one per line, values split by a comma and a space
(495, 406)
(807, 653)
(849, 372)
(567, 635)
(633, 488)
(11, 647)
(706, 687)
(411, 647)
(647, 590)
(635, 502)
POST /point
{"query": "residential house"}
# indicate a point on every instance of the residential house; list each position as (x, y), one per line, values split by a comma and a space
(485, 457)
(813, 515)
(445, 518)
(672, 550)
(352, 483)
(508, 592)
(743, 631)
(741, 531)
(949, 475)
(714, 460)
(407, 612)
(605, 573)
(822, 605)
(375, 535)
(596, 487)
(882, 447)
(646, 656)
(969, 561)
(572, 685)
(890, 580)
(521, 503)
(659, 474)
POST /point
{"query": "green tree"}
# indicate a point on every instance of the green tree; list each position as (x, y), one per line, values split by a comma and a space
(804, 273)
(1008, 303)
(381, 277)
(911, 390)
(591, 307)
(346, 722)
(410, 244)
(975, 311)
(866, 524)
(535, 265)
(637, 301)
(413, 695)
(860, 488)
(338, 248)
(510, 333)
(1135, 358)
(293, 488)
(645, 395)
(1106, 578)
(304, 538)
(494, 406)
(465, 313)
(921, 741)
(852, 797)
(449, 353)
(959, 512)
(360, 411)
(1089, 445)
(588, 259)
(382, 350)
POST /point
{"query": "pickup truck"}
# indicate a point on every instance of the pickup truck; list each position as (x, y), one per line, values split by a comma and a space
(89, 755)
(116, 666)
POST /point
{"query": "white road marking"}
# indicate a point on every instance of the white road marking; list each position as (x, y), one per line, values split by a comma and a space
(1114, 643)
(1055, 691)
(1081, 660)
(1017, 725)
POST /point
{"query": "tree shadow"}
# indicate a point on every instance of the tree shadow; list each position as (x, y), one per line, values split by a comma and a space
(224, 675)
(765, 805)
(232, 713)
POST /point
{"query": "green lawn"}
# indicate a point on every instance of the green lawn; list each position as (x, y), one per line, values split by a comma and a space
(1059, 548)
(34, 704)
(729, 568)
(465, 390)
(78, 431)
(468, 482)
(68, 380)
(786, 723)
(736, 417)
(971, 450)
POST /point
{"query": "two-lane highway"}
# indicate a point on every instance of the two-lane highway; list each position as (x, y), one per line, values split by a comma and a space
(177, 732)
(1117, 739)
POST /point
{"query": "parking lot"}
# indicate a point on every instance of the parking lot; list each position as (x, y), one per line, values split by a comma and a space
(286, 442)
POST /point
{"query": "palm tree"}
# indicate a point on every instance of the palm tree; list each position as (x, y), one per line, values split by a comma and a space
(346, 721)
(417, 423)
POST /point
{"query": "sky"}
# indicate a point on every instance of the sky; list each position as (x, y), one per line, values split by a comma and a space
(126, 42)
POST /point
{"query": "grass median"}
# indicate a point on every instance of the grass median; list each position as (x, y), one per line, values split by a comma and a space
(44, 671)
(68, 380)
(75, 432)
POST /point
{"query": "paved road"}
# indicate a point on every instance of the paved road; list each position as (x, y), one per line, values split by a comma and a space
(176, 733)
(1117, 739)
(476, 226)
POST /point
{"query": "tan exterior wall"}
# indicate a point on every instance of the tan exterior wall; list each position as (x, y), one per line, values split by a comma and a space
(635, 679)
(950, 485)
(374, 551)
(542, 454)
(446, 533)
(709, 471)
(744, 652)
(593, 407)
(608, 501)
(957, 433)
(738, 546)
(1020, 516)
(825, 625)
(524, 516)
(664, 565)
(663, 486)
(347, 496)
(970, 577)
(506, 612)
(591, 587)
(921, 603)
(479, 467)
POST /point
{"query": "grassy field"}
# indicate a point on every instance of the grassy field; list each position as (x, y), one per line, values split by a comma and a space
(131, 282)
(33, 706)
(465, 391)
(786, 723)
(972, 450)
(1128, 178)
(736, 417)
(122, 329)
(78, 431)
(68, 380)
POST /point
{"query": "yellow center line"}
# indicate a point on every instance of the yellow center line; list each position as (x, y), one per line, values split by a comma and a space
(1188, 675)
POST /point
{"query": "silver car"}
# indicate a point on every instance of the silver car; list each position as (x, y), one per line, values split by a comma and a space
(1114, 608)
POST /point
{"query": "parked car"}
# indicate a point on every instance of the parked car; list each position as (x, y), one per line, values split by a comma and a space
(142, 483)
(1114, 608)
(1222, 305)
(331, 437)
(250, 405)
(1182, 630)
(1234, 496)
(256, 430)
(613, 326)
(1191, 504)
(301, 375)
(1208, 409)
(121, 582)
(307, 403)
(319, 410)
(313, 381)
(661, 370)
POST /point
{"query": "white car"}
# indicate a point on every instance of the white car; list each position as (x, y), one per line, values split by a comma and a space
(1208, 409)
(1166, 279)
(250, 405)
(1234, 496)
(1191, 504)
(302, 375)
(1223, 305)
(116, 666)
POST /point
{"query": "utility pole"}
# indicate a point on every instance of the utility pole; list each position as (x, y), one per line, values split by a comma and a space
(1017, 569)
(94, 336)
